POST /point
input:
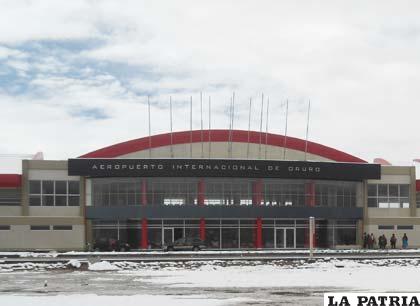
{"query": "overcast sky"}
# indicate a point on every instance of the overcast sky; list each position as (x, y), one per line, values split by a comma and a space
(75, 75)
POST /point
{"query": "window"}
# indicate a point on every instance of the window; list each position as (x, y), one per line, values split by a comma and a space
(4, 227)
(35, 200)
(35, 187)
(405, 227)
(60, 187)
(73, 200)
(222, 191)
(335, 194)
(388, 195)
(62, 227)
(40, 227)
(54, 193)
(47, 187)
(385, 227)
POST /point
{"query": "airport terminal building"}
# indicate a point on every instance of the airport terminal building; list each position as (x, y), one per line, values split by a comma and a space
(232, 189)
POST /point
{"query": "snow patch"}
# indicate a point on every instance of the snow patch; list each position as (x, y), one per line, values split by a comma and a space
(108, 300)
(74, 263)
(102, 266)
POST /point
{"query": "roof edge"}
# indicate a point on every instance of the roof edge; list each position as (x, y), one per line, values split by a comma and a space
(184, 137)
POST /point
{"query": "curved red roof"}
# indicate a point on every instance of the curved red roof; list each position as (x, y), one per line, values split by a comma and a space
(10, 180)
(184, 137)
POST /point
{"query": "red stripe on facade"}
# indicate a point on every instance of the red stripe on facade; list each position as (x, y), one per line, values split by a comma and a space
(10, 180)
(258, 234)
(184, 137)
(310, 194)
(144, 192)
(418, 185)
(201, 192)
(144, 244)
(203, 229)
(257, 192)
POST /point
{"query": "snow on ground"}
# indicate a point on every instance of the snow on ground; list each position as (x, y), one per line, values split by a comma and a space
(54, 254)
(102, 266)
(51, 254)
(270, 251)
(74, 263)
(201, 282)
(108, 300)
(375, 275)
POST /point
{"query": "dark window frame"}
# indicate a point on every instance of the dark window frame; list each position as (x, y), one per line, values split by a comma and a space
(40, 227)
(62, 227)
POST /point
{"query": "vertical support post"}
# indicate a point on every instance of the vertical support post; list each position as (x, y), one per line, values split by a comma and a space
(144, 241)
(310, 202)
(143, 192)
(311, 236)
(202, 229)
(257, 189)
(200, 192)
(258, 233)
(310, 194)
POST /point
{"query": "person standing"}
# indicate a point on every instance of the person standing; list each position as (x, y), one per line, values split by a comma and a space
(393, 241)
(365, 240)
(405, 241)
(369, 241)
(373, 241)
(384, 241)
(381, 241)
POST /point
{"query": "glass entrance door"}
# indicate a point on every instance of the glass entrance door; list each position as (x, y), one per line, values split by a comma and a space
(168, 235)
(285, 238)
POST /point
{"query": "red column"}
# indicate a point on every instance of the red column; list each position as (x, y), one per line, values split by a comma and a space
(143, 192)
(257, 189)
(144, 242)
(258, 233)
(201, 192)
(310, 194)
(203, 229)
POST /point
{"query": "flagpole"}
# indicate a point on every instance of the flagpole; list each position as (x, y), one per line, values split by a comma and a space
(150, 129)
(170, 116)
(232, 126)
(266, 129)
(249, 128)
(191, 135)
(307, 129)
(261, 123)
(201, 124)
(209, 127)
(285, 131)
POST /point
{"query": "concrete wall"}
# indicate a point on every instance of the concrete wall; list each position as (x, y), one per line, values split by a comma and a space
(20, 237)
(395, 216)
(10, 211)
(49, 211)
(20, 218)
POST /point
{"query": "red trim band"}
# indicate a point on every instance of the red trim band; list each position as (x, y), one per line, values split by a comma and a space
(10, 180)
(184, 137)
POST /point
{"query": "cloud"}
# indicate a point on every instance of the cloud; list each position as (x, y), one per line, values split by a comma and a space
(84, 69)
